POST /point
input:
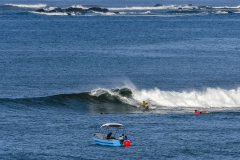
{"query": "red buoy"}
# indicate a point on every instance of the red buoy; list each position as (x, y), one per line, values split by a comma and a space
(126, 143)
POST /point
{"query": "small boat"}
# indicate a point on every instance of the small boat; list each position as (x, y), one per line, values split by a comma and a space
(112, 134)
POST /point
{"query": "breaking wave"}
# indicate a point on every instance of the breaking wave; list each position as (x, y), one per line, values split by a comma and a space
(210, 98)
(33, 6)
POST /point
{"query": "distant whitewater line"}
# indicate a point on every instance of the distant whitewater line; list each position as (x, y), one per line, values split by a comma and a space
(157, 10)
(156, 7)
(28, 5)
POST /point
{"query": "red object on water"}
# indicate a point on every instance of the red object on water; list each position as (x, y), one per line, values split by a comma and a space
(126, 143)
(197, 112)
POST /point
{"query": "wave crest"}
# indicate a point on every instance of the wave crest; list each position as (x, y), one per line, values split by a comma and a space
(34, 6)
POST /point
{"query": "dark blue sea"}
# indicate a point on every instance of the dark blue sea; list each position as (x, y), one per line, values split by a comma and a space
(63, 63)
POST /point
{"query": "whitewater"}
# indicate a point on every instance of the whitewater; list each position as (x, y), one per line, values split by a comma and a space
(211, 98)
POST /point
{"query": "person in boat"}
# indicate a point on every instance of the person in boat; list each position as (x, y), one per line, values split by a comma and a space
(121, 138)
(109, 136)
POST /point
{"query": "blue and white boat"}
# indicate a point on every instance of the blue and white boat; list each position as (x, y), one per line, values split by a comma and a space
(112, 134)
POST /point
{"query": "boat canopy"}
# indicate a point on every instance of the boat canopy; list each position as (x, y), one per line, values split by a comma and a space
(112, 125)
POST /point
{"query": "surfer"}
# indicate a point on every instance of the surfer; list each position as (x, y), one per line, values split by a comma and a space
(143, 103)
(199, 112)
(146, 104)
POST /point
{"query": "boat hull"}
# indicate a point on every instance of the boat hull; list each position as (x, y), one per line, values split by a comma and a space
(107, 142)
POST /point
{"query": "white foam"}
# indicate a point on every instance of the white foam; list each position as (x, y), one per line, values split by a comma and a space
(147, 12)
(52, 13)
(209, 98)
(221, 12)
(28, 5)
(144, 8)
(79, 6)
(50, 8)
(122, 13)
(227, 7)
(105, 13)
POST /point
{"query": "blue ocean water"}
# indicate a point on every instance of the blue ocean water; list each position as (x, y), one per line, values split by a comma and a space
(60, 69)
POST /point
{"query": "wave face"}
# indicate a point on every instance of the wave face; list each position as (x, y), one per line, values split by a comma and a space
(156, 10)
(128, 99)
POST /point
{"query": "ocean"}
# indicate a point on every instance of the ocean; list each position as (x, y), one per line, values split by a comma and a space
(67, 67)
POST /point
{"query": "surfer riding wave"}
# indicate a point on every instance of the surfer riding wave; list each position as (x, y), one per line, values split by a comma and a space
(145, 104)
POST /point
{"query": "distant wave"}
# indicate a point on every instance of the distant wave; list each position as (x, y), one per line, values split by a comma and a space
(162, 7)
(34, 6)
(157, 10)
(172, 7)
(51, 14)
(156, 7)
(227, 7)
